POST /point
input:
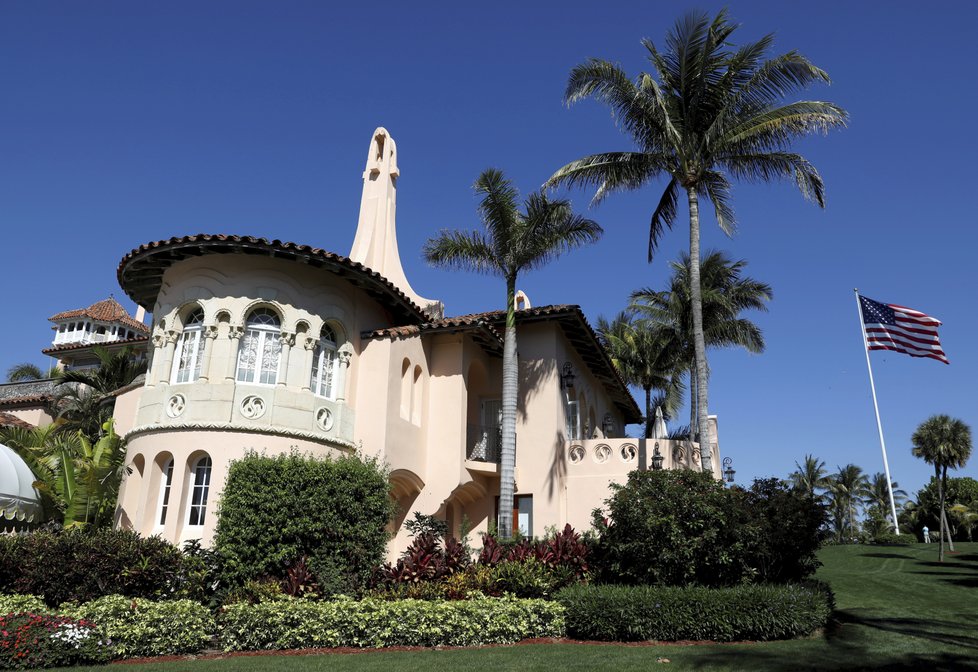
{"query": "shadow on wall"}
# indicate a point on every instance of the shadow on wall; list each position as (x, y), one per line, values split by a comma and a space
(558, 464)
(533, 374)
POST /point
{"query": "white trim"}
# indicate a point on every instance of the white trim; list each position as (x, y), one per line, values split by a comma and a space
(192, 486)
(166, 487)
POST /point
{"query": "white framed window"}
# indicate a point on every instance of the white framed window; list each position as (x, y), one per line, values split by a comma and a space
(324, 364)
(166, 485)
(260, 351)
(190, 349)
(200, 486)
(573, 420)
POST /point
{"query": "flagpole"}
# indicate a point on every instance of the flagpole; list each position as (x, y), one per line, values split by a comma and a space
(879, 425)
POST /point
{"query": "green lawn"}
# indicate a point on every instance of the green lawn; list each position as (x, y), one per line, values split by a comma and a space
(898, 609)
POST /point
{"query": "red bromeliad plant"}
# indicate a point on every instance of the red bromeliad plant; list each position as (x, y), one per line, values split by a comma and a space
(424, 560)
(566, 549)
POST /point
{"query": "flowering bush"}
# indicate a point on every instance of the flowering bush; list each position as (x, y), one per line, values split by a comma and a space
(39, 640)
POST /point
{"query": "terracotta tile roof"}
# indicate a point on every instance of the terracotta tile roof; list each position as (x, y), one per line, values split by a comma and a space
(27, 393)
(108, 345)
(107, 310)
(36, 400)
(10, 420)
(141, 271)
(575, 326)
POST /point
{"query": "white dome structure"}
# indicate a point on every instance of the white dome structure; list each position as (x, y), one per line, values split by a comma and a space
(18, 498)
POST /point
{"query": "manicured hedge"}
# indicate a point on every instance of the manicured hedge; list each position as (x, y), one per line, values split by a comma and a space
(641, 613)
(278, 510)
(85, 564)
(891, 539)
(291, 624)
(131, 627)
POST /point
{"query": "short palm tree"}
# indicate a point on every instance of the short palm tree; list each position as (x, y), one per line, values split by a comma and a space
(944, 442)
(878, 495)
(810, 477)
(711, 112)
(644, 357)
(83, 398)
(847, 489)
(25, 371)
(513, 242)
(725, 294)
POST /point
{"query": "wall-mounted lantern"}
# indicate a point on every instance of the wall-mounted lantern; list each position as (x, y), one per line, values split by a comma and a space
(567, 376)
(657, 458)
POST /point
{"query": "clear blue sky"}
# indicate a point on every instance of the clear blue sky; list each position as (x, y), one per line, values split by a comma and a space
(123, 122)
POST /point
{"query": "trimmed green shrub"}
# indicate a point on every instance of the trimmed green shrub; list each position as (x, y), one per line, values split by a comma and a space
(31, 604)
(782, 530)
(85, 564)
(661, 613)
(137, 627)
(30, 640)
(671, 527)
(296, 624)
(891, 539)
(276, 510)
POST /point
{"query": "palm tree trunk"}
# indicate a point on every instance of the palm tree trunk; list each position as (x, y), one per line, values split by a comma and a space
(507, 467)
(692, 409)
(699, 340)
(940, 496)
(648, 413)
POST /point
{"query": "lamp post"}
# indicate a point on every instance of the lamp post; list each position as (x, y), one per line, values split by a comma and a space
(657, 458)
(728, 470)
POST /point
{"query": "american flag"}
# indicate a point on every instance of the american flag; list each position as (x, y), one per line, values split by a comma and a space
(893, 327)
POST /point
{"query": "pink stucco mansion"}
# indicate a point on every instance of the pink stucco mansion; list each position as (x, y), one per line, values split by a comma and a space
(273, 346)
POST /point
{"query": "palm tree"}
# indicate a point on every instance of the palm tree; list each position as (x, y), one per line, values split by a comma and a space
(512, 243)
(847, 489)
(725, 294)
(643, 356)
(25, 371)
(810, 476)
(710, 113)
(878, 495)
(83, 398)
(944, 442)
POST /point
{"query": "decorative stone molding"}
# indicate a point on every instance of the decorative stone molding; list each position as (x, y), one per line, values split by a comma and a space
(176, 405)
(324, 419)
(602, 453)
(235, 331)
(286, 338)
(159, 339)
(210, 331)
(253, 407)
(628, 452)
(309, 343)
(334, 442)
(345, 353)
(577, 454)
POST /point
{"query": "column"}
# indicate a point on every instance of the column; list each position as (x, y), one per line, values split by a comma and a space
(169, 345)
(286, 339)
(234, 334)
(210, 333)
(156, 363)
(344, 355)
(308, 346)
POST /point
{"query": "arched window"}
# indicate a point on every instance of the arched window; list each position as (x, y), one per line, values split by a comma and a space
(324, 364)
(258, 357)
(190, 349)
(166, 484)
(199, 489)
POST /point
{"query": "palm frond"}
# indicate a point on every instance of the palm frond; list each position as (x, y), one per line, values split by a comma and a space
(463, 250)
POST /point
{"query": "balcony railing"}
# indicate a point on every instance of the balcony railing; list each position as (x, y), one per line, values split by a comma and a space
(483, 443)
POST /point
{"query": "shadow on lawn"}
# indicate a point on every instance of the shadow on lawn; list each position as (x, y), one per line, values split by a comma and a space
(898, 556)
(850, 646)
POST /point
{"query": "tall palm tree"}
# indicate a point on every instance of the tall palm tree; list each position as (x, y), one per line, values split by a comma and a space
(810, 476)
(645, 357)
(944, 442)
(513, 242)
(711, 112)
(725, 294)
(847, 489)
(27, 371)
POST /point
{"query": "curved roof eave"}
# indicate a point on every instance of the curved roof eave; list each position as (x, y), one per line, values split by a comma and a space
(140, 272)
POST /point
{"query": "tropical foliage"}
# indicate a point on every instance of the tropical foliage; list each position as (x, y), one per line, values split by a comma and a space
(725, 294)
(78, 477)
(810, 477)
(709, 113)
(513, 242)
(27, 371)
(945, 443)
(84, 400)
(847, 489)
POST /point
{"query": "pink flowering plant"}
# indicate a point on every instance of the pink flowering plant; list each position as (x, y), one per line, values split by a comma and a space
(29, 640)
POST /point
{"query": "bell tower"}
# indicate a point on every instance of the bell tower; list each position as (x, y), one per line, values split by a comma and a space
(375, 245)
